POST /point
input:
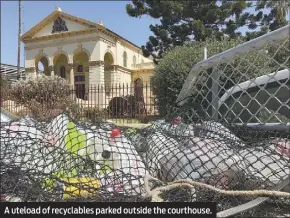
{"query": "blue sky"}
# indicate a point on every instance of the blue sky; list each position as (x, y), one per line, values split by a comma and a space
(112, 13)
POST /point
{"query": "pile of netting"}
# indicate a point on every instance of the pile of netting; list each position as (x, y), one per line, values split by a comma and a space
(174, 159)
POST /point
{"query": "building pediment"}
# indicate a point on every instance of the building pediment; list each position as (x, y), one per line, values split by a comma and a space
(58, 22)
(59, 25)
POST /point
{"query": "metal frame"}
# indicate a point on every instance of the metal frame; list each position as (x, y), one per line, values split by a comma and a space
(225, 56)
(11, 72)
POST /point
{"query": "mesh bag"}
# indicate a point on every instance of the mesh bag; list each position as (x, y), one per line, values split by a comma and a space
(213, 144)
(62, 155)
(64, 160)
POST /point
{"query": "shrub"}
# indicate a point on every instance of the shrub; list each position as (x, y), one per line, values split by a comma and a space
(3, 81)
(172, 70)
(118, 106)
(4, 87)
(127, 106)
(44, 96)
(136, 107)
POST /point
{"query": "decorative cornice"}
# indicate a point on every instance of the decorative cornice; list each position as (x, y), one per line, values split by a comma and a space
(111, 67)
(142, 70)
(78, 20)
(92, 63)
(118, 67)
(84, 32)
(96, 63)
(107, 42)
(60, 35)
(127, 70)
(66, 42)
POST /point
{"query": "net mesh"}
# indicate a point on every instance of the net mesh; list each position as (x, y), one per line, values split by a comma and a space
(207, 140)
(64, 160)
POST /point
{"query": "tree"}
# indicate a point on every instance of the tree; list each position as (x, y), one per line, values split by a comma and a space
(186, 21)
(272, 20)
(279, 9)
(282, 9)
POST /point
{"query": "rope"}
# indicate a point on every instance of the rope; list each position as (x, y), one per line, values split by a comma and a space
(155, 193)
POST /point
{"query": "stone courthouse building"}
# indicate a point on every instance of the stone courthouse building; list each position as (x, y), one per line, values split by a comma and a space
(85, 53)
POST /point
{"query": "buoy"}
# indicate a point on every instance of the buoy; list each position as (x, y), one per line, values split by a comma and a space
(115, 132)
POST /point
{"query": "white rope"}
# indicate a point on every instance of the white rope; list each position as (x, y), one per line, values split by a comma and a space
(155, 193)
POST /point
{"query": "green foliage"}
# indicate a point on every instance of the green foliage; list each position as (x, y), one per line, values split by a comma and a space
(3, 81)
(176, 64)
(44, 96)
(279, 9)
(128, 106)
(187, 21)
(5, 87)
(118, 107)
(275, 17)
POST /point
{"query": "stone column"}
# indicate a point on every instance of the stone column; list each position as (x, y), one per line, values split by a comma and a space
(72, 79)
(51, 70)
(96, 83)
(34, 71)
(87, 82)
(71, 74)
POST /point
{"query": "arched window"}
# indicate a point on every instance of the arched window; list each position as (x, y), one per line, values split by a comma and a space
(125, 59)
(80, 68)
(62, 72)
(134, 60)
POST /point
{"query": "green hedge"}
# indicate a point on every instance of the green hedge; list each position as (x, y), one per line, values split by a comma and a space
(174, 67)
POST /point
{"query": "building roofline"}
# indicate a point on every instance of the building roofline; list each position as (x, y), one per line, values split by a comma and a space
(27, 36)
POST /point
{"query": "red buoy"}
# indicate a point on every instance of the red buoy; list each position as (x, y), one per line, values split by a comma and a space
(115, 132)
(176, 121)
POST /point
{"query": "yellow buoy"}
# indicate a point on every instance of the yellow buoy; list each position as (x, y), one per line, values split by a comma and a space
(80, 187)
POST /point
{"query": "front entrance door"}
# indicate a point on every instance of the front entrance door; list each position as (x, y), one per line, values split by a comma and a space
(80, 87)
(139, 90)
(80, 91)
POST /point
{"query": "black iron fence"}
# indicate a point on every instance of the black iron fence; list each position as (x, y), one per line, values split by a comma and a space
(121, 103)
